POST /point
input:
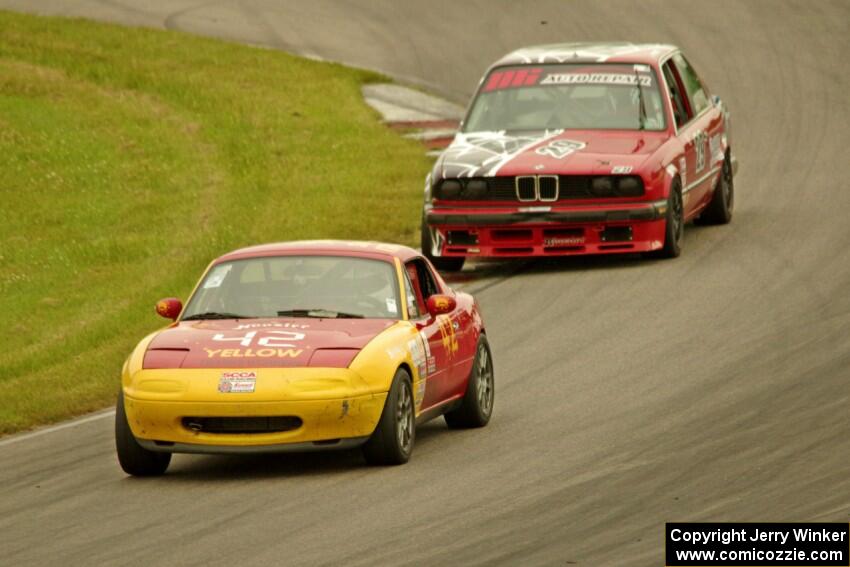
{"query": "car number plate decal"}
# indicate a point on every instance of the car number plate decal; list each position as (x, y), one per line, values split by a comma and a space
(237, 382)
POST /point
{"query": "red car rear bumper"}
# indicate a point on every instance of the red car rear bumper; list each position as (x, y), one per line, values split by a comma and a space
(547, 231)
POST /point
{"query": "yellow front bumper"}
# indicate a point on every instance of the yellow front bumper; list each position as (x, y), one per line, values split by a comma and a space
(332, 404)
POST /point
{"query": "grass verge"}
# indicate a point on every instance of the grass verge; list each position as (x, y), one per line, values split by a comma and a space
(129, 158)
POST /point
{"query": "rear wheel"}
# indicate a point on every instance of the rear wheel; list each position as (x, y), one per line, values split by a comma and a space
(719, 209)
(135, 459)
(392, 441)
(477, 405)
(674, 228)
(444, 264)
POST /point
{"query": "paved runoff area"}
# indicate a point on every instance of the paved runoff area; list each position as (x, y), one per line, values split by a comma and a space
(421, 116)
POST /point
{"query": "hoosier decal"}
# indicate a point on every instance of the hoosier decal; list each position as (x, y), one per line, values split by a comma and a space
(243, 326)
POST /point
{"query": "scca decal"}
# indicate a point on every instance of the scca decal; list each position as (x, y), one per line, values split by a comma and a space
(239, 375)
(518, 78)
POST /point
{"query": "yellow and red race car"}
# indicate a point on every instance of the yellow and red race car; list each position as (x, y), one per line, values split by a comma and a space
(305, 346)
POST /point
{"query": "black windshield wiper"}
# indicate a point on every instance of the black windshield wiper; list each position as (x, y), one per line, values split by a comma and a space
(318, 313)
(214, 315)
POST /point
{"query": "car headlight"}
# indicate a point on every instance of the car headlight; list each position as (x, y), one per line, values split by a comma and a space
(629, 186)
(475, 189)
(602, 186)
(450, 189)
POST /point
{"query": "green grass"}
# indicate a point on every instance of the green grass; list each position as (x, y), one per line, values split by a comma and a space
(130, 158)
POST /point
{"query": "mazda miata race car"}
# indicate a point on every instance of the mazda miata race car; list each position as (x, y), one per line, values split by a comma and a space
(305, 346)
(581, 149)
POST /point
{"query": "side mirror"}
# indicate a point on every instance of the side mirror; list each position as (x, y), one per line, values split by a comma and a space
(440, 304)
(169, 308)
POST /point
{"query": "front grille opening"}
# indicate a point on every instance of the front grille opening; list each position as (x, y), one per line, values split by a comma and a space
(562, 249)
(548, 187)
(616, 246)
(463, 237)
(563, 233)
(533, 188)
(580, 187)
(253, 424)
(513, 251)
(617, 234)
(511, 234)
(526, 188)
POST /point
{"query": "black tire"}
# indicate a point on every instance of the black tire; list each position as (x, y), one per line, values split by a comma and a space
(674, 228)
(392, 441)
(719, 209)
(444, 264)
(477, 405)
(135, 459)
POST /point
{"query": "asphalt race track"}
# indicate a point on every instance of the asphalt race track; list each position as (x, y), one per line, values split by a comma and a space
(629, 392)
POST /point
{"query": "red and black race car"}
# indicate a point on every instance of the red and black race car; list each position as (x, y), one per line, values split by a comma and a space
(581, 149)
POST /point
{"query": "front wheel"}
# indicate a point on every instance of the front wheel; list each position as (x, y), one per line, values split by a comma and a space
(674, 227)
(392, 441)
(443, 264)
(133, 458)
(719, 209)
(477, 405)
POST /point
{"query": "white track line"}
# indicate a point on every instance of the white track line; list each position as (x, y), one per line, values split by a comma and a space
(46, 430)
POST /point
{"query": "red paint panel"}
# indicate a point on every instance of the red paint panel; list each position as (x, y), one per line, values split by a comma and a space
(332, 357)
(493, 81)
(258, 343)
(165, 358)
(519, 78)
(507, 77)
(512, 78)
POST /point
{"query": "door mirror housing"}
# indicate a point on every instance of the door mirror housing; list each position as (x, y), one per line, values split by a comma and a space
(439, 304)
(169, 308)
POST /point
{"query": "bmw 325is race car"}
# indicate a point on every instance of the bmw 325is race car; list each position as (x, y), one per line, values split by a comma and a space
(305, 346)
(581, 149)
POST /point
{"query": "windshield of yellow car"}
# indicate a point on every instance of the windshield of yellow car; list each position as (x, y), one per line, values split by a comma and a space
(583, 96)
(297, 286)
